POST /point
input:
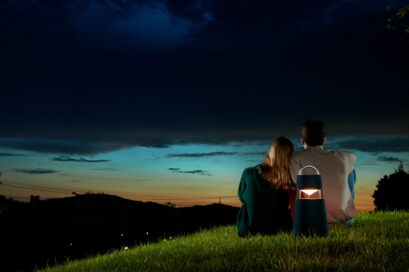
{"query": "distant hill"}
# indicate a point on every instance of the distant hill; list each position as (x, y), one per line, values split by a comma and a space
(50, 231)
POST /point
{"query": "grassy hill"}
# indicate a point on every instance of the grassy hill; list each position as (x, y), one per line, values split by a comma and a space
(376, 242)
(83, 225)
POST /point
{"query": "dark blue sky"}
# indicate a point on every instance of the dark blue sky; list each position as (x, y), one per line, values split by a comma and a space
(156, 72)
(80, 79)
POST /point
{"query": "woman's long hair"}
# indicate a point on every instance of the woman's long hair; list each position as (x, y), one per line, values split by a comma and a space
(276, 165)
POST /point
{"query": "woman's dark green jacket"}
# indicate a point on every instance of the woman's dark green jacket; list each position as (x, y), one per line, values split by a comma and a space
(265, 209)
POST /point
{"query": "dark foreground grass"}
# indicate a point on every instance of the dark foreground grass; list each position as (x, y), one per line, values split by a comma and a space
(376, 242)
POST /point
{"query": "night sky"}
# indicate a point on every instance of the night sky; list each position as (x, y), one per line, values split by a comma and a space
(171, 100)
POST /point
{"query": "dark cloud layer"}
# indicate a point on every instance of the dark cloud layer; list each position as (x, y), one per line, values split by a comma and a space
(71, 159)
(5, 154)
(60, 146)
(254, 153)
(200, 155)
(196, 172)
(375, 144)
(388, 159)
(106, 169)
(212, 154)
(37, 171)
(87, 77)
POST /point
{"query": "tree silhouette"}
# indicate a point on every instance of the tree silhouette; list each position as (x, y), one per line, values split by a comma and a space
(398, 18)
(392, 191)
(170, 204)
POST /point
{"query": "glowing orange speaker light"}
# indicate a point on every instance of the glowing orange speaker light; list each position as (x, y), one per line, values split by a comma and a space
(310, 194)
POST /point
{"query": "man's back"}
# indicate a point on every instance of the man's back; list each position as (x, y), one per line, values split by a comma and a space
(335, 169)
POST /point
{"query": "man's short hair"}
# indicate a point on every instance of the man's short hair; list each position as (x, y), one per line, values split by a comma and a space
(313, 132)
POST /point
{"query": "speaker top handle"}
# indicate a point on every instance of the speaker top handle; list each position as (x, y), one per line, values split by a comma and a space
(308, 166)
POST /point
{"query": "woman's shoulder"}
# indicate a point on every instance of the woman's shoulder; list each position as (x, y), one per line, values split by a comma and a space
(249, 170)
(248, 174)
(263, 183)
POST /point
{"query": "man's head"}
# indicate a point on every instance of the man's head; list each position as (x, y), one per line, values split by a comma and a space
(313, 133)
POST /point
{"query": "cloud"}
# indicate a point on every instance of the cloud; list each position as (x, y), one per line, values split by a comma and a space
(70, 159)
(211, 154)
(196, 172)
(37, 171)
(368, 163)
(142, 24)
(163, 22)
(75, 180)
(200, 155)
(11, 155)
(68, 147)
(375, 144)
(106, 169)
(372, 144)
(254, 153)
(389, 159)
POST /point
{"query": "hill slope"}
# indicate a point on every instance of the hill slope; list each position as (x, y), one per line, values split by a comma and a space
(75, 227)
(377, 242)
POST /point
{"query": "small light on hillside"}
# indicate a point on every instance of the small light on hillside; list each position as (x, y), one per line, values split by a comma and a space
(122, 234)
(125, 248)
(147, 233)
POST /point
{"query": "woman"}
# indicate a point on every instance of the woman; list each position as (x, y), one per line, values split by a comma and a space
(266, 191)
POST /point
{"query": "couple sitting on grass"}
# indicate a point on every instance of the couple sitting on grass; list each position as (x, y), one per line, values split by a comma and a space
(267, 190)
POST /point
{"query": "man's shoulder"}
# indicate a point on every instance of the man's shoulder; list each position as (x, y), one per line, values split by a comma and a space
(303, 154)
(344, 155)
(299, 154)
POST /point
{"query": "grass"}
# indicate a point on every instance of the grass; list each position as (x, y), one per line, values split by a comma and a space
(376, 242)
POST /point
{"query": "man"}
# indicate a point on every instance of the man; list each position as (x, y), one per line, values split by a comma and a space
(336, 169)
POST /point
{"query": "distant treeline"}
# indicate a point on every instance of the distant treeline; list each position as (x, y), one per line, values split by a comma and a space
(50, 231)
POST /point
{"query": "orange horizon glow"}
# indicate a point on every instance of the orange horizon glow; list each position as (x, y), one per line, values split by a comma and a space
(363, 202)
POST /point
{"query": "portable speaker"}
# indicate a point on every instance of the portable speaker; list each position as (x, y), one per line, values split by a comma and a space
(310, 213)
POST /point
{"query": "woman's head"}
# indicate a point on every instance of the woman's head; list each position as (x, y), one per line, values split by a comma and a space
(276, 164)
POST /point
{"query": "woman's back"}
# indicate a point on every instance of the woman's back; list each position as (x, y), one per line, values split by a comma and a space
(265, 208)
